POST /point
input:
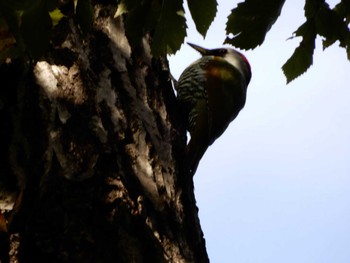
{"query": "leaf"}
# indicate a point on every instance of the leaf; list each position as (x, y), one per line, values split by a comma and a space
(203, 13)
(327, 22)
(84, 13)
(170, 30)
(311, 7)
(141, 17)
(56, 15)
(164, 20)
(331, 26)
(250, 21)
(122, 9)
(343, 9)
(302, 57)
(36, 29)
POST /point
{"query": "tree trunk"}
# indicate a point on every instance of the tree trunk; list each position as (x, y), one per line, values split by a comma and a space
(92, 141)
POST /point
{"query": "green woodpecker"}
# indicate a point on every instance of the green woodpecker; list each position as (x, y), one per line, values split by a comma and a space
(211, 92)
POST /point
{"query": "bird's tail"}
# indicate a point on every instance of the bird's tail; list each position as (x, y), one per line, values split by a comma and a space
(195, 152)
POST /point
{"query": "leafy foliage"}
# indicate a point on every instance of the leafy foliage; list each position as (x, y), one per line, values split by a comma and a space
(163, 19)
(330, 24)
(250, 21)
(25, 25)
(170, 30)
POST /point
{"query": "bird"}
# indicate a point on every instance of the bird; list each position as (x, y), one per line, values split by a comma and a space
(210, 93)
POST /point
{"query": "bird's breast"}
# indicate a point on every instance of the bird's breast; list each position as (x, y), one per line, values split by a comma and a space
(226, 91)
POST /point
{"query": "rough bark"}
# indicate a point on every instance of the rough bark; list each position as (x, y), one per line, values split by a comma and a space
(94, 146)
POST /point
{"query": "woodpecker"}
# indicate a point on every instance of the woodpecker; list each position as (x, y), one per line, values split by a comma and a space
(211, 92)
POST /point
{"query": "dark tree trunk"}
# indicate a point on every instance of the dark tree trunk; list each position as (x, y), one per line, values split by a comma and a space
(92, 141)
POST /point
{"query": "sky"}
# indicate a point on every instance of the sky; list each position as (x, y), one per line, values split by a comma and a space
(275, 187)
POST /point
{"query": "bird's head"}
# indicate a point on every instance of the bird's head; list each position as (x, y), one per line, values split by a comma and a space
(232, 56)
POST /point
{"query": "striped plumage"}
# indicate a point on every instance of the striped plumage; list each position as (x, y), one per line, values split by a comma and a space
(211, 92)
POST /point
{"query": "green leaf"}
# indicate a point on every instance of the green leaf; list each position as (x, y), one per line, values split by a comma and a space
(56, 15)
(170, 30)
(163, 20)
(302, 57)
(311, 7)
(343, 9)
(84, 13)
(249, 22)
(328, 23)
(331, 26)
(36, 29)
(140, 18)
(122, 9)
(203, 13)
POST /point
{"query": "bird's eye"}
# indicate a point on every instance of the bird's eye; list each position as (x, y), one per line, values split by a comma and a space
(220, 52)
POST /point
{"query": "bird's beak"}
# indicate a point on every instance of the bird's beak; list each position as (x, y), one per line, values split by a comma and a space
(201, 50)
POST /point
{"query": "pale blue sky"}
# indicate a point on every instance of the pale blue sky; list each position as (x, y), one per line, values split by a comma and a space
(276, 186)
